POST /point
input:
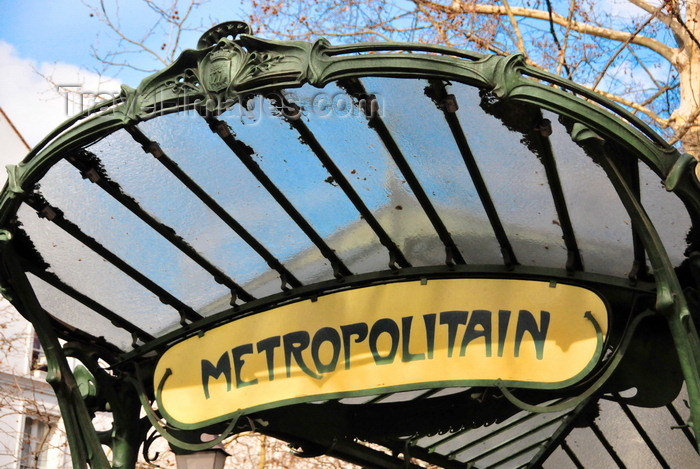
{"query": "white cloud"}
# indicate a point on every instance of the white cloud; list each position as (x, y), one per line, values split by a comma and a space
(29, 95)
(622, 9)
(625, 11)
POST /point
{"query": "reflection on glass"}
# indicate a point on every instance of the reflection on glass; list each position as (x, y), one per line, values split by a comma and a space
(88, 273)
(428, 145)
(516, 180)
(100, 216)
(341, 128)
(667, 213)
(67, 310)
(212, 164)
(297, 171)
(604, 236)
(157, 191)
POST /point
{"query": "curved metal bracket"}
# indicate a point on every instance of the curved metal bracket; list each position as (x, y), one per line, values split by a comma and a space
(678, 171)
(220, 31)
(150, 439)
(155, 420)
(302, 452)
(610, 368)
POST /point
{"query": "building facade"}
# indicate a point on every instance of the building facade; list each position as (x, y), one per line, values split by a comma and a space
(31, 434)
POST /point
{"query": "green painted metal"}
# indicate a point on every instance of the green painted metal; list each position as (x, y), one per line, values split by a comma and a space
(610, 286)
(440, 97)
(670, 300)
(82, 438)
(260, 66)
(559, 436)
(595, 387)
(230, 65)
(102, 391)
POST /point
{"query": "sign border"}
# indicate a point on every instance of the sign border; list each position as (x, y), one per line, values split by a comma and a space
(592, 364)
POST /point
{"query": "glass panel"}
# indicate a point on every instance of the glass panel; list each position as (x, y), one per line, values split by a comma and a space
(294, 169)
(667, 213)
(526, 423)
(623, 437)
(458, 442)
(163, 196)
(427, 441)
(34, 450)
(484, 431)
(81, 268)
(299, 174)
(588, 449)
(447, 391)
(342, 130)
(428, 145)
(661, 427)
(604, 236)
(116, 228)
(403, 396)
(207, 159)
(513, 441)
(66, 309)
(518, 461)
(559, 460)
(516, 180)
(356, 400)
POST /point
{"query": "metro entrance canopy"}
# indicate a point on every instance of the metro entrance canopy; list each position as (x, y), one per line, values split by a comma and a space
(458, 258)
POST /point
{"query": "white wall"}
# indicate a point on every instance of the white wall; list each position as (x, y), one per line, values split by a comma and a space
(12, 147)
(22, 391)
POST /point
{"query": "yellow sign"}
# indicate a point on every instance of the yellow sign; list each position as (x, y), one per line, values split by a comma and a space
(385, 338)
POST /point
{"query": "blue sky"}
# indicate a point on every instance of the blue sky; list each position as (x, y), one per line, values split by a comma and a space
(54, 38)
(48, 30)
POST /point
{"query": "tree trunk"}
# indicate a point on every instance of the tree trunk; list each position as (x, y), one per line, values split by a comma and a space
(686, 119)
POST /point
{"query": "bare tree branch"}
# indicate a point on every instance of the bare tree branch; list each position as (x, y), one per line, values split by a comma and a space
(459, 7)
(688, 33)
(483, 43)
(659, 92)
(661, 122)
(436, 25)
(623, 46)
(516, 28)
(644, 67)
(664, 18)
(553, 32)
(169, 19)
(567, 34)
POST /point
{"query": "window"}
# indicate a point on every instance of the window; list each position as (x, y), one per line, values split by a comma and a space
(38, 362)
(34, 444)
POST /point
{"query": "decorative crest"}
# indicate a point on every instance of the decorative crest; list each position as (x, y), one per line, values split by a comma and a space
(221, 31)
(221, 65)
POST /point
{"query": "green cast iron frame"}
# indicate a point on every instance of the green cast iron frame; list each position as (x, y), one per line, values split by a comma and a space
(258, 66)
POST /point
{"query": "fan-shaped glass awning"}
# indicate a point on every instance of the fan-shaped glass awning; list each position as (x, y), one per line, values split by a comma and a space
(253, 177)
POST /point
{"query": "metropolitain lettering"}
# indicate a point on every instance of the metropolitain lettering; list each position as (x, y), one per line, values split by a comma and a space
(412, 338)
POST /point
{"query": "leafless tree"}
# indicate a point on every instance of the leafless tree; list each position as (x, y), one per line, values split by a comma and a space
(251, 450)
(143, 49)
(645, 56)
(25, 397)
